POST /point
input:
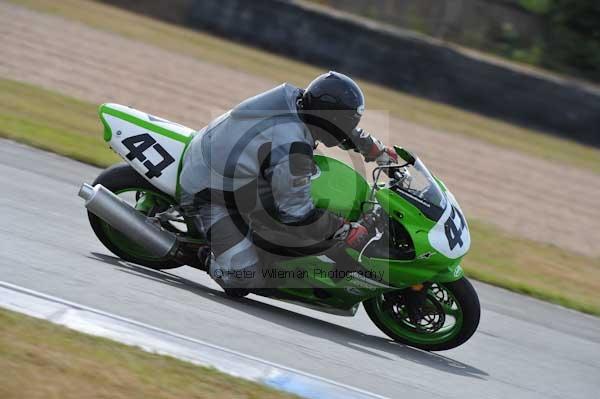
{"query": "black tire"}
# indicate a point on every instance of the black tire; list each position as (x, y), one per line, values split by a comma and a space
(236, 292)
(464, 294)
(115, 178)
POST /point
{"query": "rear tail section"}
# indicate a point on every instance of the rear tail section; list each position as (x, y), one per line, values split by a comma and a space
(153, 146)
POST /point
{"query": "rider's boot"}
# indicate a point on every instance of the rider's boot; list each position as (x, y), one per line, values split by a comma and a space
(204, 255)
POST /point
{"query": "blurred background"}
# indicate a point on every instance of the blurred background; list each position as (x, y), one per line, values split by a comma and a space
(536, 32)
(498, 97)
(422, 47)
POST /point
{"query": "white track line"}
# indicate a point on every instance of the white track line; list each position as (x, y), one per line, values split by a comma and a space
(153, 339)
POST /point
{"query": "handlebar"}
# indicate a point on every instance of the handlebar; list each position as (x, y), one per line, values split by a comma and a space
(386, 169)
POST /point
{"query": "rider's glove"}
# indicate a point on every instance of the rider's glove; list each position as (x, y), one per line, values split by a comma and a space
(381, 154)
(354, 234)
(387, 156)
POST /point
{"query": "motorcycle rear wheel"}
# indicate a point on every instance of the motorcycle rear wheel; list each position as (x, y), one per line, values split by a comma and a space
(450, 316)
(121, 179)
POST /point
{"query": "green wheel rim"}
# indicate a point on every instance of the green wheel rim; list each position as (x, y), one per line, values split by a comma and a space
(438, 298)
(125, 244)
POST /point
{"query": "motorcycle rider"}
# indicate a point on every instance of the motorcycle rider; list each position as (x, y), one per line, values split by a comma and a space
(257, 159)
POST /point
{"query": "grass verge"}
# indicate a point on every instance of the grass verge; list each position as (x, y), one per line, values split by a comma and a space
(37, 117)
(53, 122)
(43, 360)
(540, 270)
(280, 69)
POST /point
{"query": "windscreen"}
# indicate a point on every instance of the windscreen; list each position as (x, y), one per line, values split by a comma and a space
(415, 183)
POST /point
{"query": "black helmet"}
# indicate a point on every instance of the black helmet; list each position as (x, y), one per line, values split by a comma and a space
(331, 106)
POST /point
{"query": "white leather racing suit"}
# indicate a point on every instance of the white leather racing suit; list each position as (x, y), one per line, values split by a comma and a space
(256, 160)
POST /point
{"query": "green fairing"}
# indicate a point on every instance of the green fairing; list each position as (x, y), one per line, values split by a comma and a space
(429, 264)
(338, 188)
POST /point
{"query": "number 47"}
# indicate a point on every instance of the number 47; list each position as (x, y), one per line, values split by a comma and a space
(137, 145)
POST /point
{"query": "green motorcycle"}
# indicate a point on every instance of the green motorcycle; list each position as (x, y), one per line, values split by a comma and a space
(408, 275)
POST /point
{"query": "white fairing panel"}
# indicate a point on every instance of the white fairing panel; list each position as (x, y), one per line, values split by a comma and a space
(153, 146)
(450, 235)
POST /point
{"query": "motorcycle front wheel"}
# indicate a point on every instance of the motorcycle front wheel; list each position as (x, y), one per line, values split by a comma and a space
(450, 316)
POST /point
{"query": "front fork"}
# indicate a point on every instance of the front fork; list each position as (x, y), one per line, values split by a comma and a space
(412, 299)
(415, 297)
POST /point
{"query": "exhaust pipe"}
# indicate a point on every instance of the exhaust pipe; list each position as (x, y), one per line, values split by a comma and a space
(123, 217)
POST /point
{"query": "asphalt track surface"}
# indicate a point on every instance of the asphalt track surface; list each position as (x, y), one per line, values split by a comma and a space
(524, 348)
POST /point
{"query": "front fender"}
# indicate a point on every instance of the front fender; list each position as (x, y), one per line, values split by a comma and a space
(452, 274)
